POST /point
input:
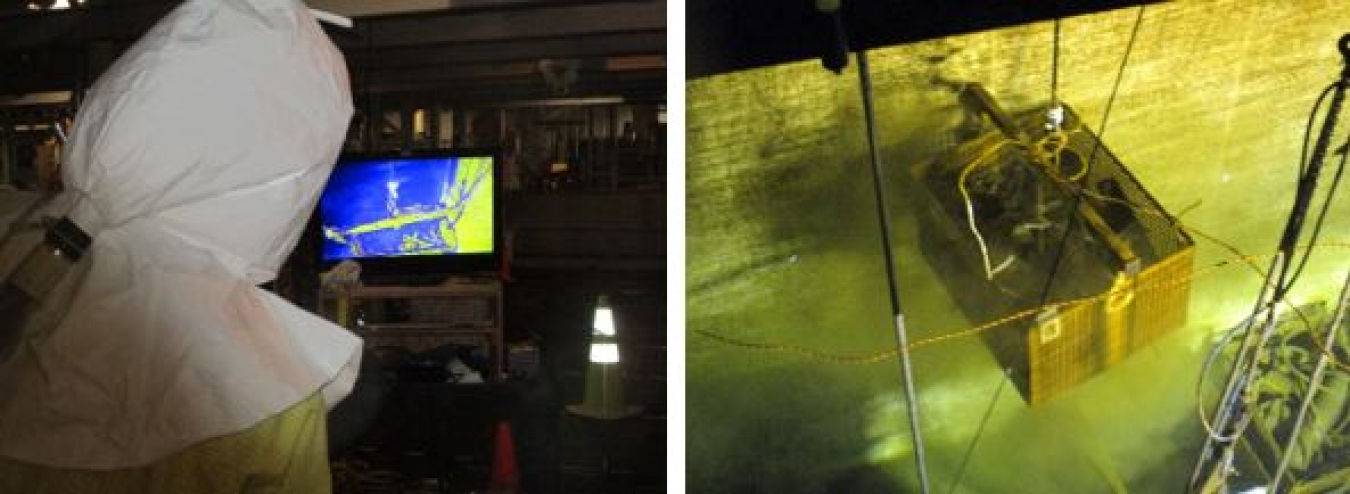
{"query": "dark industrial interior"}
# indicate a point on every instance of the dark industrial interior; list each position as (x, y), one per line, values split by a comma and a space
(569, 98)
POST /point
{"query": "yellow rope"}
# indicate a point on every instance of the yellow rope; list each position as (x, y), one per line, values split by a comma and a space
(883, 355)
(1045, 151)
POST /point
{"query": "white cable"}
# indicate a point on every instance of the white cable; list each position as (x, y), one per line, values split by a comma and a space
(984, 250)
(1004, 265)
(1245, 368)
(1204, 371)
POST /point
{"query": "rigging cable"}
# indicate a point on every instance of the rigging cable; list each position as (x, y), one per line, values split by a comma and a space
(1335, 181)
(1308, 129)
(1321, 217)
(1054, 66)
(1087, 167)
(1230, 411)
(979, 432)
(1309, 172)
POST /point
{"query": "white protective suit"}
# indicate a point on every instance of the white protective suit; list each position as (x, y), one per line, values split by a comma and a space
(193, 164)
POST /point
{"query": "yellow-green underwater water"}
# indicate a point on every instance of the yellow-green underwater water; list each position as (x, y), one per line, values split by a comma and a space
(784, 248)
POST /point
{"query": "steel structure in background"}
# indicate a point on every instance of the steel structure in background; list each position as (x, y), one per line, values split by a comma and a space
(467, 53)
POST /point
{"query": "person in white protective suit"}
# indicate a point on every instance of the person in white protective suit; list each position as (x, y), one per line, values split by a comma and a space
(155, 364)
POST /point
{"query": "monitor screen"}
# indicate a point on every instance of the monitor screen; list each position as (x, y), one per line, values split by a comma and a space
(408, 206)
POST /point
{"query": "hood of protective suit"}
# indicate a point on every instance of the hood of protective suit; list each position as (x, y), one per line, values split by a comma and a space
(193, 164)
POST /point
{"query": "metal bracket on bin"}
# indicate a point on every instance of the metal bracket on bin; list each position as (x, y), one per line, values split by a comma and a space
(1048, 324)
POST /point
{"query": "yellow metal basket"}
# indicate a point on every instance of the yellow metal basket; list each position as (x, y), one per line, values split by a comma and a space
(998, 216)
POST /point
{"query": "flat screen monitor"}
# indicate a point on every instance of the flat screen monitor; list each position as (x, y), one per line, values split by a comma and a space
(439, 209)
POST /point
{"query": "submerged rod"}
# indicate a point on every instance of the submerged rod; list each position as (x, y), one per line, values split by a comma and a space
(1313, 384)
(902, 341)
(1217, 446)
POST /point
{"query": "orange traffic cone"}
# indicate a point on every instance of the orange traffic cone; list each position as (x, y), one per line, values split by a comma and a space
(505, 476)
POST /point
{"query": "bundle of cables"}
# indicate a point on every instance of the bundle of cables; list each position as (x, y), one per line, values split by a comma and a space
(1045, 152)
(1232, 416)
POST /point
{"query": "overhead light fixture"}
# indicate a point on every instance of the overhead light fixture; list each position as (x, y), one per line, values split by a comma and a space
(40, 98)
(599, 100)
(52, 4)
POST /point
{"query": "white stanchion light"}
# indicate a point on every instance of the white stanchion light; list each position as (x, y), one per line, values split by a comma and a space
(604, 320)
(604, 353)
(604, 397)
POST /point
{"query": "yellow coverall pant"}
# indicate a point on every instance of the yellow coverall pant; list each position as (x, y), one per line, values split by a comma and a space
(285, 454)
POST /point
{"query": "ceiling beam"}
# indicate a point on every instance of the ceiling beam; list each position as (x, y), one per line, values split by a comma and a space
(470, 47)
(513, 50)
(730, 35)
(496, 91)
(366, 8)
(592, 67)
(125, 21)
(433, 28)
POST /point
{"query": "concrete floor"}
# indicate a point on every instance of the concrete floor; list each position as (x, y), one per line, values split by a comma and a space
(783, 247)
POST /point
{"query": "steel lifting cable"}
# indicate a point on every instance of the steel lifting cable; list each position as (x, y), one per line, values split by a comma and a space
(1054, 65)
(1092, 156)
(901, 336)
(979, 431)
(1045, 151)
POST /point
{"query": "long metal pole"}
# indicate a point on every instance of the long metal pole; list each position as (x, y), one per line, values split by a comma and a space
(902, 342)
